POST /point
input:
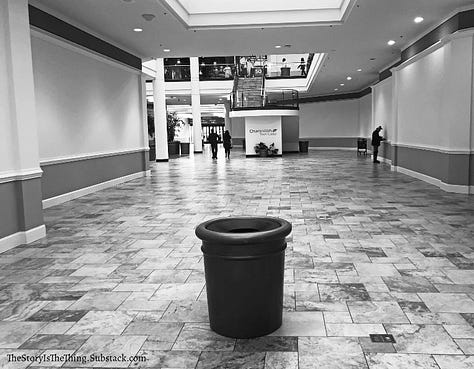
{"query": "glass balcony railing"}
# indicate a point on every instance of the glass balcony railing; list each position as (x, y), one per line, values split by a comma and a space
(215, 71)
(177, 73)
(226, 68)
(271, 99)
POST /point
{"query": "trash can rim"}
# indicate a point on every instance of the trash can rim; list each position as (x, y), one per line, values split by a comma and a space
(282, 229)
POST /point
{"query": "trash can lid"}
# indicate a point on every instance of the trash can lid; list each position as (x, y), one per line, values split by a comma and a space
(243, 230)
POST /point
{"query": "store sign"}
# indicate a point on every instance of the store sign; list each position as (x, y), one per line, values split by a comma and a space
(262, 129)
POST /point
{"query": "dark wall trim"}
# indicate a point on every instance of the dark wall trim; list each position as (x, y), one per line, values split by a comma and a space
(458, 22)
(349, 96)
(21, 208)
(449, 168)
(62, 178)
(58, 27)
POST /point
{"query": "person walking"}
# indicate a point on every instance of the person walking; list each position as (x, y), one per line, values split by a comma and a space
(213, 140)
(376, 139)
(227, 143)
(302, 66)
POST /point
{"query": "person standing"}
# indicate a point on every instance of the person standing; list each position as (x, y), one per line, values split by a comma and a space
(213, 139)
(227, 143)
(376, 139)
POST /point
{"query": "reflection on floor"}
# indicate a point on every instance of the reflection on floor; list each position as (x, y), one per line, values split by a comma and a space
(372, 252)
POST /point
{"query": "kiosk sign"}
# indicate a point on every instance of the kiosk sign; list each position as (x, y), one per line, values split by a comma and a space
(262, 129)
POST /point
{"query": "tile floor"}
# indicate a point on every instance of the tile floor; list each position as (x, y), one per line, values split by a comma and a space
(371, 252)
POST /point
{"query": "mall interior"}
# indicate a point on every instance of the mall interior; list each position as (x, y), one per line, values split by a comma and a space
(105, 171)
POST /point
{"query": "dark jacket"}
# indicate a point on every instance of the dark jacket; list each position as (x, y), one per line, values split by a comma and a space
(227, 141)
(213, 138)
(376, 139)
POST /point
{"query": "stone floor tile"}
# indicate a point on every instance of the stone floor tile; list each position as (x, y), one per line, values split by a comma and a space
(14, 334)
(400, 361)
(102, 322)
(353, 329)
(301, 324)
(98, 345)
(422, 339)
(231, 360)
(466, 345)
(454, 361)
(281, 360)
(330, 353)
(200, 337)
(376, 312)
(267, 343)
(448, 302)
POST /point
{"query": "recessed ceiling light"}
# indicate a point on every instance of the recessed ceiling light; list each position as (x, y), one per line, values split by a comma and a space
(342, 84)
(137, 30)
(391, 42)
(336, 89)
(359, 70)
(166, 50)
(349, 78)
(418, 19)
(277, 46)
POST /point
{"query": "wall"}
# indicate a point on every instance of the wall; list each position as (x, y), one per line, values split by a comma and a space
(290, 130)
(87, 107)
(238, 130)
(383, 116)
(426, 109)
(334, 124)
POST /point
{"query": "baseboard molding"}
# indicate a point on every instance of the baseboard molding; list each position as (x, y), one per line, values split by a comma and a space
(436, 182)
(53, 201)
(21, 238)
(334, 148)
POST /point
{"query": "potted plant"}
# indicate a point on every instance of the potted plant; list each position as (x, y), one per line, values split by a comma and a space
(173, 124)
(263, 150)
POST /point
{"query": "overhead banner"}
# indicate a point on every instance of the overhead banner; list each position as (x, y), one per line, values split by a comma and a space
(262, 129)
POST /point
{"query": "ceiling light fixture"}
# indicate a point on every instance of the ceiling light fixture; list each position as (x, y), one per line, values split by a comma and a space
(336, 89)
(277, 46)
(349, 78)
(359, 70)
(166, 50)
(137, 30)
(418, 19)
(391, 42)
(148, 17)
(342, 84)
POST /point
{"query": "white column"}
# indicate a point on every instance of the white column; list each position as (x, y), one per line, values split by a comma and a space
(19, 147)
(159, 110)
(196, 105)
(19, 95)
(146, 143)
(227, 120)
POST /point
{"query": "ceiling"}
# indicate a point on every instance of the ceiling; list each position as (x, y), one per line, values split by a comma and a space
(361, 42)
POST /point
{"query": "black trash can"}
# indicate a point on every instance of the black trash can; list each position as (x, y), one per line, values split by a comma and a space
(244, 261)
(304, 146)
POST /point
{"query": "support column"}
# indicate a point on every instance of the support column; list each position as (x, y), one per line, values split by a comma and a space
(196, 105)
(20, 174)
(159, 110)
(227, 120)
